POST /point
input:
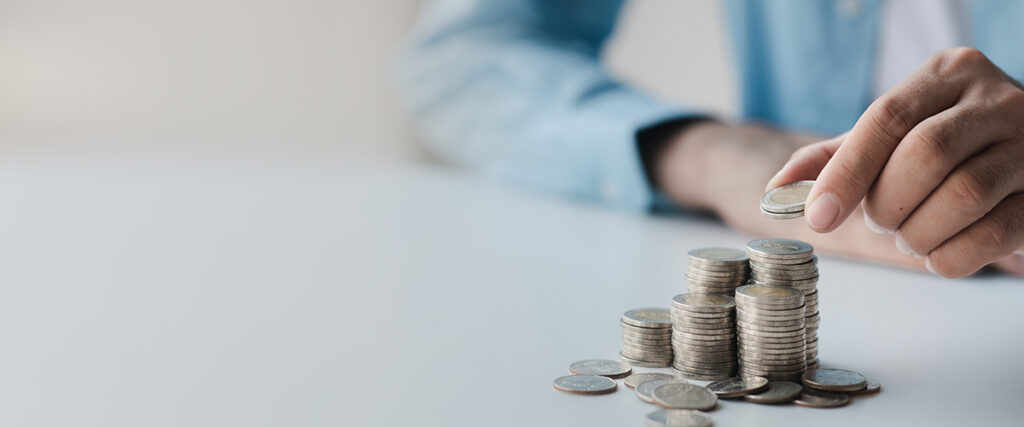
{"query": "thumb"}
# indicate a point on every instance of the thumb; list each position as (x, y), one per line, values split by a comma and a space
(806, 162)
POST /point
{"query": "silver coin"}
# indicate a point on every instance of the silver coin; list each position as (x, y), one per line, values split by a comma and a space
(705, 331)
(686, 348)
(602, 367)
(767, 296)
(734, 387)
(644, 391)
(650, 356)
(704, 303)
(684, 396)
(779, 248)
(811, 263)
(702, 322)
(821, 399)
(777, 392)
(585, 384)
(834, 380)
(645, 343)
(787, 198)
(759, 324)
(704, 377)
(719, 255)
(647, 317)
(645, 363)
(746, 312)
(871, 388)
(782, 216)
(638, 378)
(732, 275)
(762, 334)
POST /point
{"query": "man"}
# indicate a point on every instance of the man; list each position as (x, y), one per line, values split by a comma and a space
(930, 158)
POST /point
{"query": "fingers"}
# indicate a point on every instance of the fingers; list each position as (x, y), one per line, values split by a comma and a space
(929, 152)
(1013, 264)
(965, 196)
(846, 178)
(806, 162)
(997, 235)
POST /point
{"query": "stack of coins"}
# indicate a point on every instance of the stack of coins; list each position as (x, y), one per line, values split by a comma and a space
(716, 270)
(647, 337)
(704, 336)
(770, 332)
(787, 201)
(790, 263)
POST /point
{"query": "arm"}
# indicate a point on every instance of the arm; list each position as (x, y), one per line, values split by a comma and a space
(515, 90)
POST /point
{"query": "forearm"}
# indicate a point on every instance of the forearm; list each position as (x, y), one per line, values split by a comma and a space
(714, 166)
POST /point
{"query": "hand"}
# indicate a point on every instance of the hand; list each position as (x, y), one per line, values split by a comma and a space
(939, 163)
(723, 169)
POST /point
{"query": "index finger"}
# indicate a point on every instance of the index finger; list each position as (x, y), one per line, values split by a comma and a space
(849, 174)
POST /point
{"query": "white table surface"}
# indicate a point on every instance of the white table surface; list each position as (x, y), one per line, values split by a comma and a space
(359, 293)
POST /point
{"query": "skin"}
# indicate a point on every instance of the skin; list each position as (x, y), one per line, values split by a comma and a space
(931, 176)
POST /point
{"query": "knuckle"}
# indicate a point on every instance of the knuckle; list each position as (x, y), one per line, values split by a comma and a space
(930, 144)
(991, 234)
(892, 118)
(951, 61)
(969, 188)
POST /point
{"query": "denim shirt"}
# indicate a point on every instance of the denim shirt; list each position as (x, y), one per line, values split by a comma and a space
(514, 89)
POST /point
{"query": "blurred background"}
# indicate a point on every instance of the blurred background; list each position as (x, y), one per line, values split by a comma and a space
(274, 77)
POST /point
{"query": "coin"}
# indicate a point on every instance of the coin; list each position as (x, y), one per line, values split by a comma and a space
(718, 255)
(821, 399)
(779, 248)
(736, 386)
(834, 380)
(684, 396)
(704, 303)
(677, 418)
(783, 297)
(777, 392)
(647, 317)
(871, 388)
(788, 198)
(585, 384)
(773, 215)
(602, 367)
(641, 377)
(644, 391)
(645, 363)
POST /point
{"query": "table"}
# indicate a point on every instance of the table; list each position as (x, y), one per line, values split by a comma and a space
(357, 292)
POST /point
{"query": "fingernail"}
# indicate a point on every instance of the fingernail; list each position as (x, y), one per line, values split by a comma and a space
(823, 211)
(929, 266)
(902, 245)
(873, 226)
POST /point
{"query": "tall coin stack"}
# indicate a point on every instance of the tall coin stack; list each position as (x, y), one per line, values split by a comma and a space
(647, 337)
(716, 270)
(790, 263)
(704, 336)
(770, 332)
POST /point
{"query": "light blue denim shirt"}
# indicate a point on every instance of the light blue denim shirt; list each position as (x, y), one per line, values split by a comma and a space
(514, 89)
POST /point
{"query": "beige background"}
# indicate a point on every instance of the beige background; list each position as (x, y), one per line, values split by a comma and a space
(296, 76)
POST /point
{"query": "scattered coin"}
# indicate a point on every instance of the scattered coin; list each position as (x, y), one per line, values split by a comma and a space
(678, 418)
(735, 387)
(604, 368)
(872, 388)
(786, 201)
(585, 384)
(677, 395)
(834, 380)
(821, 399)
(777, 392)
(636, 379)
(645, 391)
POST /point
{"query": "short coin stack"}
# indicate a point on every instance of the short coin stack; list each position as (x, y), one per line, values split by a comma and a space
(716, 270)
(704, 336)
(787, 201)
(647, 337)
(770, 332)
(790, 263)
